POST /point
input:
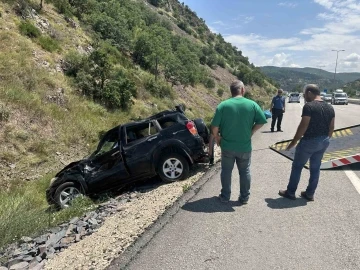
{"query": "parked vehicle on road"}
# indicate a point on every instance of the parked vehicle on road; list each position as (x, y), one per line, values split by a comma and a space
(339, 97)
(294, 97)
(327, 98)
(165, 144)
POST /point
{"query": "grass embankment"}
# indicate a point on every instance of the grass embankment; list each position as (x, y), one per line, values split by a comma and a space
(25, 212)
(34, 129)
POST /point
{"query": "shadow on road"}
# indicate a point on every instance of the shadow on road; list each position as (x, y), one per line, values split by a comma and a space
(283, 203)
(210, 205)
(268, 131)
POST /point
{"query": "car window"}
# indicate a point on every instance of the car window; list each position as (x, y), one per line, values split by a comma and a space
(340, 95)
(139, 131)
(295, 95)
(166, 122)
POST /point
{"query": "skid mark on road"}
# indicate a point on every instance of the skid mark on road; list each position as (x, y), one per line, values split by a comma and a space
(355, 180)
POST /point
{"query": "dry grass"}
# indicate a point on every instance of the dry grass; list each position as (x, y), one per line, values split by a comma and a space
(24, 213)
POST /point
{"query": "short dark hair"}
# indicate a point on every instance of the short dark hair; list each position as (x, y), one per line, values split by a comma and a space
(313, 88)
(235, 87)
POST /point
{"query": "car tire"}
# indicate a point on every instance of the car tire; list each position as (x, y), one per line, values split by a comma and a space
(173, 167)
(202, 130)
(65, 193)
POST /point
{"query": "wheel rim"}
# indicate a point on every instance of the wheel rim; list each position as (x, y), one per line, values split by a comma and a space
(173, 168)
(67, 195)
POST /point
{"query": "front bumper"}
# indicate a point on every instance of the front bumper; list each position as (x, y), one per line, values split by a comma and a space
(340, 102)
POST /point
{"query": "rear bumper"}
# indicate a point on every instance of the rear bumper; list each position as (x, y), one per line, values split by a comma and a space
(199, 154)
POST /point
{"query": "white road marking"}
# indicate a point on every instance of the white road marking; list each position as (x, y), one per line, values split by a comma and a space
(355, 180)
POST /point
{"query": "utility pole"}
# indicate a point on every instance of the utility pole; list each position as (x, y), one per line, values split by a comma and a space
(337, 56)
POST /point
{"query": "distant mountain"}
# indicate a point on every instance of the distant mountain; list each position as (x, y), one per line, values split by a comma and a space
(293, 79)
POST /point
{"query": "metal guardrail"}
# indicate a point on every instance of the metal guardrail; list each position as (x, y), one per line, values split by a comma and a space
(354, 100)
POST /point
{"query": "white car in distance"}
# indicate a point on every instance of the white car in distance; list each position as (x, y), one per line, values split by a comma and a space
(294, 97)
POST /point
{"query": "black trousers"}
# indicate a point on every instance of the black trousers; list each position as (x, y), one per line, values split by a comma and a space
(277, 114)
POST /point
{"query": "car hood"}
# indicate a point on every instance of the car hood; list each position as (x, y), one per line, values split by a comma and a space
(82, 162)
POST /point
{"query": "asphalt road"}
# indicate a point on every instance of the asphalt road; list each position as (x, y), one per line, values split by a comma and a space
(270, 232)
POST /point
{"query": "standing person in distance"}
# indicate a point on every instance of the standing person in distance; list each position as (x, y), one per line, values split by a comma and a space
(277, 109)
(238, 118)
(314, 131)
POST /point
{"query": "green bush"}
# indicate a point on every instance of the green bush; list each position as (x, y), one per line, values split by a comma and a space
(209, 83)
(158, 88)
(221, 62)
(63, 7)
(220, 92)
(28, 29)
(118, 92)
(48, 43)
(4, 113)
(73, 62)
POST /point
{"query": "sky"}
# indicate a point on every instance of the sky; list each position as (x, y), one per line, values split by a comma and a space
(299, 33)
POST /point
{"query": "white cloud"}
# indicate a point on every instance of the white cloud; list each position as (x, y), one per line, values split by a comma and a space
(259, 41)
(353, 57)
(338, 29)
(248, 19)
(288, 4)
(219, 23)
(280, 60)
(325, 3)
(312, 31)
(213, 30)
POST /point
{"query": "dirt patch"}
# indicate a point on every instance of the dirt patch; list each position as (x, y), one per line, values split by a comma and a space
(222, 76)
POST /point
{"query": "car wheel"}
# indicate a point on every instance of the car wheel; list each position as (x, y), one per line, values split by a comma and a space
(65, 193)
(173, 167)
(202, 130)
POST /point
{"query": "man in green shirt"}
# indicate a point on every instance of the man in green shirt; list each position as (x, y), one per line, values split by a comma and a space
(238, 118)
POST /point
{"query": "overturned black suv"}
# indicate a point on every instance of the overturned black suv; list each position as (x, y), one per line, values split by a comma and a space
(165, 144)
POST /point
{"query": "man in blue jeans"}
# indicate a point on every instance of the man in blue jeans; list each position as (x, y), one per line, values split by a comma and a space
(238, 118)
(314, 131)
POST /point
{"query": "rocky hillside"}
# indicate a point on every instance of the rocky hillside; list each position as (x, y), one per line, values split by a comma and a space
(293, 79)
(72, 69)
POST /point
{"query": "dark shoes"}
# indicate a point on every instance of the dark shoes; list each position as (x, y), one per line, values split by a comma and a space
(243, 201)
(285, 194)
(279, 130)
(222, 199)
(272, 130)
(307, 197)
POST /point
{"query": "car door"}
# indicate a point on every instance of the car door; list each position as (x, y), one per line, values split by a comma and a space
(141, 140)
(107, 169)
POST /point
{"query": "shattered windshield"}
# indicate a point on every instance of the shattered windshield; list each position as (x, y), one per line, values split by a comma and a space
(109, 142)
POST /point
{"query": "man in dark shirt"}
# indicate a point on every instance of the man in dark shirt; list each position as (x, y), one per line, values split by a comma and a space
(314, 131)
(277, 109)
